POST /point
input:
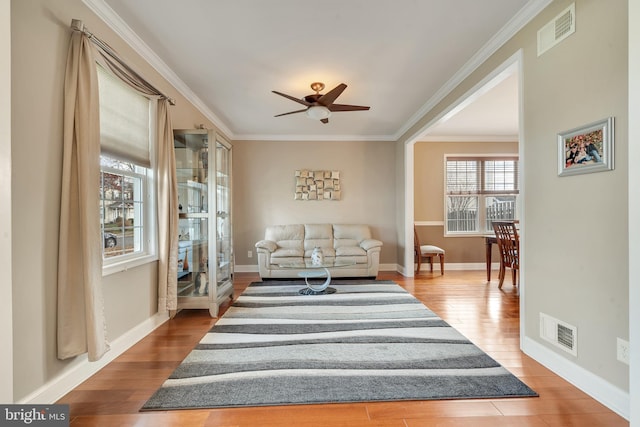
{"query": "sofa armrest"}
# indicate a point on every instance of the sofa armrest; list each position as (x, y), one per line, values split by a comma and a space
(370, 244)
(268, 245)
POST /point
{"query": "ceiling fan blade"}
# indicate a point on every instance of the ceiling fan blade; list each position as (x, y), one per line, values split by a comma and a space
(325, 121)
(291, 112)
(293, 98)
(328, 98)
(345, 107)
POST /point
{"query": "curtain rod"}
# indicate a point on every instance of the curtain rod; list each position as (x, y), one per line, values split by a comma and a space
(78, 25)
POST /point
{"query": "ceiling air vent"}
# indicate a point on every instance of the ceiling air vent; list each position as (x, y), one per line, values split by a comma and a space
(561, 27)
(558, 333)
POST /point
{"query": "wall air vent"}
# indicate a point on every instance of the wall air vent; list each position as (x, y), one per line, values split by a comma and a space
(558, 333)
(561, 27)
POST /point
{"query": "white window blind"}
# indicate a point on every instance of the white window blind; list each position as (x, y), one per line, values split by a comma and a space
(124, 121)
(477, 175)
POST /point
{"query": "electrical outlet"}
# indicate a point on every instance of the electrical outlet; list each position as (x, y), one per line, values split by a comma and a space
(250, 254)
(623, 351)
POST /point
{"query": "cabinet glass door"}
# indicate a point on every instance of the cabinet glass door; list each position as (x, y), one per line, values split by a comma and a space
(223, 217)
(191, 152)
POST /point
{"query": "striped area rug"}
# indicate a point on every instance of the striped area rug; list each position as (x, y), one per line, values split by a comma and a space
(370, 341)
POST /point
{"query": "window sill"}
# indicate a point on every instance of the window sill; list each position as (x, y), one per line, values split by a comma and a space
(125, 265)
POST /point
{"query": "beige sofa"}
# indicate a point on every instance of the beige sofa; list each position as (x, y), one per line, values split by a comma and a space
(289, 244)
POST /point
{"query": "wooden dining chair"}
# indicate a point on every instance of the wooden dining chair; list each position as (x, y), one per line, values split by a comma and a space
(426, 252)
(509, 248)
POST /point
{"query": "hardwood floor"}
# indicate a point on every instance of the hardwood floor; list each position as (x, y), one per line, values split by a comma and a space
(486, 315)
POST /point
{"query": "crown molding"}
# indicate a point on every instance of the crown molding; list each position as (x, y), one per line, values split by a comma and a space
(113, 20)
(469, 138)
(511, 28)
(341, 138)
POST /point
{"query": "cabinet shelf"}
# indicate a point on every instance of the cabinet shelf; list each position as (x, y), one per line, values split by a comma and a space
(193, 215)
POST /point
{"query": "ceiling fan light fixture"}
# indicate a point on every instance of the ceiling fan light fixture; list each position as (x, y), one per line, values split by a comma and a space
(318, 112)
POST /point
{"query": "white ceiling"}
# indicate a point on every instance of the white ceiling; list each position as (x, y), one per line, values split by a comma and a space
(398, 56)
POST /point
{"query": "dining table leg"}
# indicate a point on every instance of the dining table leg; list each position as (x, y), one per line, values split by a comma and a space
(488, 244)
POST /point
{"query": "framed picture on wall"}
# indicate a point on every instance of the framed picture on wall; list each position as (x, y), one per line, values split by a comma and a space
(587, 148)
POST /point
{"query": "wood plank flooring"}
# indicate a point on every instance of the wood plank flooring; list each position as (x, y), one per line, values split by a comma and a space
(486, 315)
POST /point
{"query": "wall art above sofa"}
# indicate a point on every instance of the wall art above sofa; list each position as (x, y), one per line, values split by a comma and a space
(317, 185)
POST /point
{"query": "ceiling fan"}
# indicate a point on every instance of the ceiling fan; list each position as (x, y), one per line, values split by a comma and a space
(320, 107)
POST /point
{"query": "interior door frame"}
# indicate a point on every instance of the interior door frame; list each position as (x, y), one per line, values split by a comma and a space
(512, 65)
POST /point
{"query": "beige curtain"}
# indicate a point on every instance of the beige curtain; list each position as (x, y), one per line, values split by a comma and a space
(81, 323)
(167, 213)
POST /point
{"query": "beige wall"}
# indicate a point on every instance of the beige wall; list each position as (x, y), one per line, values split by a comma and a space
(428, 196)
(575, 238)
(39, 40)
(263, 188)
(6, 316)
(576, 233)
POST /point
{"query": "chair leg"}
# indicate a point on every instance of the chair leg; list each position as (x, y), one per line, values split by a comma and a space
(442, 264)
(513, 276)
(501, 274)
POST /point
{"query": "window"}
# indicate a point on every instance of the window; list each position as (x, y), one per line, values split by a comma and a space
(479, 190)
(122, 187)
(126, 175)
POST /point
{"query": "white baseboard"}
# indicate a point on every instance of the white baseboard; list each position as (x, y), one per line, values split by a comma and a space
(395, 267)
(388, 267)
(82, 369)
(245, 268)
(254, 268)
(604, 392)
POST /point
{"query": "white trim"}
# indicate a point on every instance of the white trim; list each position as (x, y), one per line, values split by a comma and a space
(604, 392)
(429, 223)
(316, 138)
(251, 268)
(459, 266)
(127, 264)
(464, 266)
(409, 210)
(388, 267)
(470, 138)
(520, 200)
(53, 390)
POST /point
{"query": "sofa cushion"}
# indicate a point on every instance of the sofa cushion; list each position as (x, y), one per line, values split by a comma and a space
(350, 251)
(326, 252)
(286, 236)
(287, 252)
(349, 234)
(318, 235)
(357, 259)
